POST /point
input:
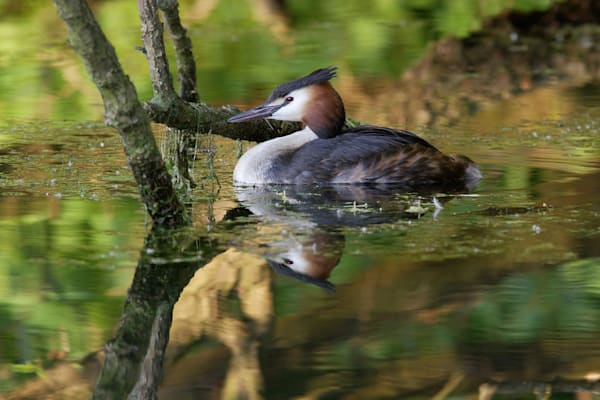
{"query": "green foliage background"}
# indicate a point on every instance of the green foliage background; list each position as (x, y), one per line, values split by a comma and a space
(239, 58)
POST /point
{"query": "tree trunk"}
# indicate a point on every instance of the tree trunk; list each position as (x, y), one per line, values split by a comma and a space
(124, 112)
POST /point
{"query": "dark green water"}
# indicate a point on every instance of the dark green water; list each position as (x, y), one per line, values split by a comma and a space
(499, 285)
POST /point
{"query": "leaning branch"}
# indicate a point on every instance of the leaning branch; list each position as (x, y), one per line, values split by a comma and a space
(183, 112)
(124, 112)
(186, 66)
(154, 46)
(201, 118)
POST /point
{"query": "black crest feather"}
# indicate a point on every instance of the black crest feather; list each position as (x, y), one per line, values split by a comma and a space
(317, 76)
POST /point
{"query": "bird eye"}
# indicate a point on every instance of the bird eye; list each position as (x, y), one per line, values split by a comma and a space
(288, 261)
(289, 98)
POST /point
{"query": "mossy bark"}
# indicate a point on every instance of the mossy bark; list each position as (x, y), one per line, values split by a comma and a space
(133, 359)
(186, 66)
(124, 112)
(201, 118)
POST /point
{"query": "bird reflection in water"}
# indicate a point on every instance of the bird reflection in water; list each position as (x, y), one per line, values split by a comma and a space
(310, 260)
(309, 240)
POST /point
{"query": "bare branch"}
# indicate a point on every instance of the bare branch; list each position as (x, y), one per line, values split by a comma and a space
(183, 112)
(124, 112)
(186, 66)
(152, 37)
(198, 117)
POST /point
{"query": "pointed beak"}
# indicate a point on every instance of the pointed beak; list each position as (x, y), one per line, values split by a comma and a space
(262, 111)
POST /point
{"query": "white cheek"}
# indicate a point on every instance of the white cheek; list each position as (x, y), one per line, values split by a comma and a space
(299, 261)
(277, 102)
(291, 112)
(294, 110)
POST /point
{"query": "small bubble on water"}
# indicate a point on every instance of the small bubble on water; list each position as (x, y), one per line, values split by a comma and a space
(536, 229)
(586, 42)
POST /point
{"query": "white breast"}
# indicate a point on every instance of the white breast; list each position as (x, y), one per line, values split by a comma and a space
(254, 167)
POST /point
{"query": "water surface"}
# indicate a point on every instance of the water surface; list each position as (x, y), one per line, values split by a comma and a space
(417, 295)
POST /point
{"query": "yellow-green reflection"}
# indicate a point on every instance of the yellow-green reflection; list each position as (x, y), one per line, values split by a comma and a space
(64, 269)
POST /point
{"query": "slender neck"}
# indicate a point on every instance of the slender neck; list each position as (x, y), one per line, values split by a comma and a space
(326, 115)
(256, 165)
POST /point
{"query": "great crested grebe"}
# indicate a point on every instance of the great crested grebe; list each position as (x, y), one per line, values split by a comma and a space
(323, 152)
